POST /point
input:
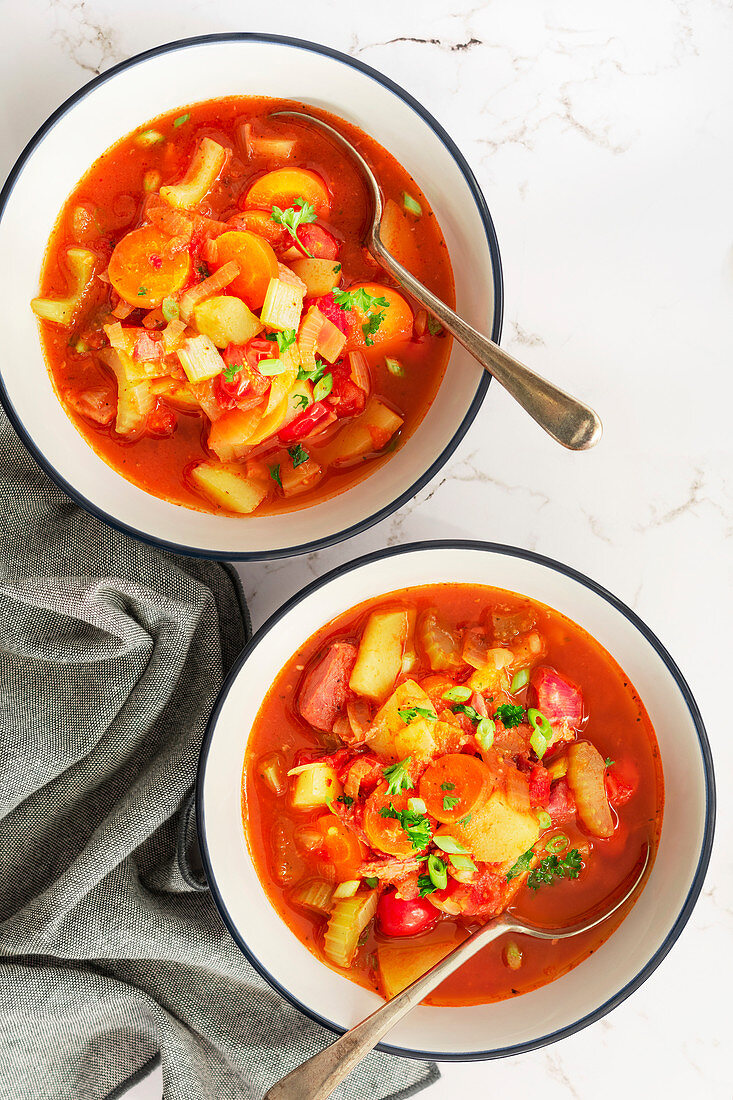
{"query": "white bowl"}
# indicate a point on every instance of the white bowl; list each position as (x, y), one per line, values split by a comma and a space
(601, 981)
(160, 80)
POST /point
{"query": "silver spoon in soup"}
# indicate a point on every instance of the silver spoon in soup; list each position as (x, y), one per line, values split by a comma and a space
(321, 1074)
(568, 420)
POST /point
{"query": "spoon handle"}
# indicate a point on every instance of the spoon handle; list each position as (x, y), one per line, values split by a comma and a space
(569, 421)
(318, 1077)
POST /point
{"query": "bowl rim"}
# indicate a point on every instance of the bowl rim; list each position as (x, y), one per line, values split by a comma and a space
(496, 268)
(705, 752)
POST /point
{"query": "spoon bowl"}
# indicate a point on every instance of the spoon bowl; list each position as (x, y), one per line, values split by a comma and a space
(321, 1074)
(565, 418)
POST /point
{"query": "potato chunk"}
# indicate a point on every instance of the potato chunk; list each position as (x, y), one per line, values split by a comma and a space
(379, 661)
(226, 320)
(400, 964)
(496, 833)
(229, 487)
(392, 738)
(315, 785)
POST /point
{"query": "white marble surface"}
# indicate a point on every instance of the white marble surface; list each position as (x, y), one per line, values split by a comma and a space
(601, 136)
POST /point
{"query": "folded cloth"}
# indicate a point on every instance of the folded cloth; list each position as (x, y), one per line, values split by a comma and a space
(111, 953)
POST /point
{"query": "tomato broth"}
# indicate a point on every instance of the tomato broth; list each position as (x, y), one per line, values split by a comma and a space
(158, 366)
(545, 661)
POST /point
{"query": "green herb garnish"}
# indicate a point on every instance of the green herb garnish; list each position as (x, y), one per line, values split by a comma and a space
(409, 714)
(449, 845)
(434, 326)
(142, 291)
(203, 270)
(449, 803)
(551, 868)
(414, 824)
(470, 712)
(301, 400)
(346, 799)
(285, 339)
(294, 216)
(180, 120)
(169, 309)
(231, 372)
(275, 474)
(510, 715)
(411, 204)
(398, 778)
(522, 865)
(298, 455)
(323, 387)
(447, 786)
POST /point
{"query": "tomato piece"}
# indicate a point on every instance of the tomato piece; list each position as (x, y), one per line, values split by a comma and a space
(342, 848)
(618, 788)
(161, 421)
(327, 306)
(345, 397)
(304, 423)
(247, 385)
(539, 786)
(398, 917)
(317, 241)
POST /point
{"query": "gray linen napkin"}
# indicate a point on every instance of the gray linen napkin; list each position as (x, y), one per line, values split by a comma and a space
(111, 953)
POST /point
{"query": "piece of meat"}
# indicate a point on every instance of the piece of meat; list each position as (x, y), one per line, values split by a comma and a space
(97, 405)
(326, 686)
(561, 804)
(390, 870)
(555, 697)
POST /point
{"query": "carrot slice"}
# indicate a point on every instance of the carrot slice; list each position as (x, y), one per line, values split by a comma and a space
(385, 325)
(260, 222)
(144, 269)
(385, 834)
(257, 264)
(285, 187)
(454, 786)
(341, 847)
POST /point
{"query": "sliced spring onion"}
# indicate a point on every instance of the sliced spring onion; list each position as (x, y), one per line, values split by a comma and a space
(458, 694)
(150, 137)
(449, 845)
(323, 387)
(152, 180)
(169, 309)
(372, 883)
(411, 204)
(80, 347)
(394, 366)
(541, 732)
(543, 819)
(462, 863)
(485, 733)
(557, 844)
(417, 805)
(520, 680)
(438, 872)
(272, 367)
(181, 119)
(434, 326)
(513, 955)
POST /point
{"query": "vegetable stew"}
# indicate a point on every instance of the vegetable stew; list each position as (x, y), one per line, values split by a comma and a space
(213, 324)
(432, 757)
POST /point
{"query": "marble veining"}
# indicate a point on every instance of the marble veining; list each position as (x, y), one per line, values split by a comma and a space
(601, 137)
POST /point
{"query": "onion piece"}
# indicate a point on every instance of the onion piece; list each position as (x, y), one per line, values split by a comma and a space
(440, 644)
(586, 779)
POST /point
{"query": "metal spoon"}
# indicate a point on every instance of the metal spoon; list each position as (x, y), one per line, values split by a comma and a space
(318, 1077)
(566, 419)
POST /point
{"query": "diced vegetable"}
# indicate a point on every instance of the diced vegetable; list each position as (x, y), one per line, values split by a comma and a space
(412, 206)
(390, 737)
(221, 278)
(61, 311)
(513, 955)
(365, 434)
(492, 677)
(347, 889)
(586, 778)
(173, 335)
(379, 661)
(200, 359)
(301, 478)
(343, 852)
(398, 236)
(319, 276)
(383, 325)
(287, 187)
(441, 644)
(316, 785)
(135, 399)
(314, 894)
(145, 267)
(276, 148)
(175, 392)
(556, 697)
(454, 786)
(226, 320)
(205, 166)
(349, 918)
(229, 435)
(330, 341)
(400, 964)
(495, 833)
(309, 328)
(282, 306)
(256, 261)
(230, 487)
(409, 653)
(271, 770)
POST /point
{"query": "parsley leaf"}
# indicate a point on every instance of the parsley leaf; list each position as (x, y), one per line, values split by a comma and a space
(301, 400)
(510, 715)
(290, 219)
(609, 762)
(346, 799)
(447, 786)
(414, 824)
(231, 372)
(370, 326)
(285, 339)
(275, 474)
(522, 865)
(551, 868)
(142, 291)
(312, 375)
(398, 778)
(203, 270)
(298, 455)
(449, 803)
(370, 306)
(409, 714)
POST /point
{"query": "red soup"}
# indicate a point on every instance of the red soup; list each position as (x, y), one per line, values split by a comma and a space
(429, 759)
(214, 326)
